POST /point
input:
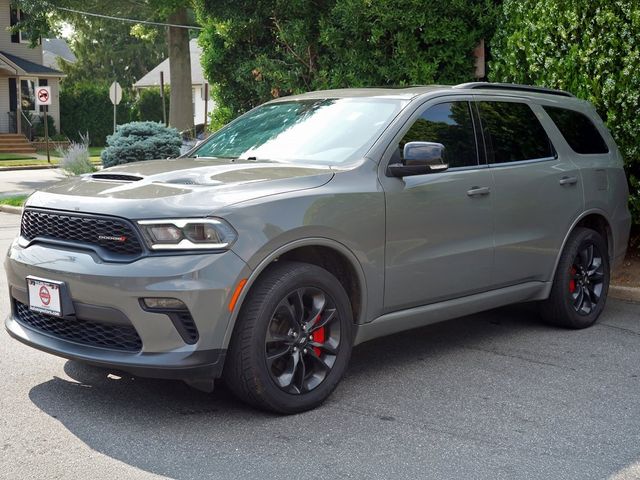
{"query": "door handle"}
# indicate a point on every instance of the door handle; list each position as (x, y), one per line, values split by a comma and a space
(477, 191)
(568, 180)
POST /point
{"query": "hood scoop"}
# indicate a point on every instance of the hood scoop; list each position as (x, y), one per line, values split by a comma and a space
(117, 177)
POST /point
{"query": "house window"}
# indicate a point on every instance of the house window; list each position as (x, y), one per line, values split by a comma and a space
(28, 94)
(23, 35)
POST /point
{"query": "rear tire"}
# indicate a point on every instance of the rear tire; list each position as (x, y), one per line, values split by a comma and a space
(581, 282)
(292, 341)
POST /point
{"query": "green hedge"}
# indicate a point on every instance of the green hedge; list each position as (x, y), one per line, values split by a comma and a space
(86, 108)
(588, 47)
(147, 106)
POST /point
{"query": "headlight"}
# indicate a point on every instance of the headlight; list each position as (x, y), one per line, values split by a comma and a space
(188, 234)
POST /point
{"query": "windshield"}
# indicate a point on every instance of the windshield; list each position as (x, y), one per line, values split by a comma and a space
(331, 131)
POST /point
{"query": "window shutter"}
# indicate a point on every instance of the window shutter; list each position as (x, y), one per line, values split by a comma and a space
(15, 37)
(13, 95)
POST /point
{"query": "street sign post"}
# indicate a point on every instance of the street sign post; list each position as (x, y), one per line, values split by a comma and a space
(43, 99)
(115, 94)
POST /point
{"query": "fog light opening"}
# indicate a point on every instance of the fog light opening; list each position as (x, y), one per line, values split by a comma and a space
(163, 303)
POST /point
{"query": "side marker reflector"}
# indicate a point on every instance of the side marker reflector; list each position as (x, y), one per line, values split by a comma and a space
(236, 294)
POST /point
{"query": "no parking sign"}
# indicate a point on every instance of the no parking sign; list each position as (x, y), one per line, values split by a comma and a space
(43, 96)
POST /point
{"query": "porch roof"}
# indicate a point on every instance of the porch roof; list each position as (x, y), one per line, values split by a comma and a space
(26, 67)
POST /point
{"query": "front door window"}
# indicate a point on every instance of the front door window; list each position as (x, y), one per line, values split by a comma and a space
(28, 94)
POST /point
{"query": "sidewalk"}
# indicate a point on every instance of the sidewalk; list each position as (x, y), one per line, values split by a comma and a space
(23, 182)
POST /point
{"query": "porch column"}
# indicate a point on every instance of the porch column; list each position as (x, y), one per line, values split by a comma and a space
(18, 106)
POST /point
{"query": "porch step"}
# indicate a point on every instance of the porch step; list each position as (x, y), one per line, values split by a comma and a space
(15, 143)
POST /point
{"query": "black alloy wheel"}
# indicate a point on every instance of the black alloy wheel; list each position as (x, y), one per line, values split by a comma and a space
(581, 282)
(292, 340)
(302, 341)
(587, 279)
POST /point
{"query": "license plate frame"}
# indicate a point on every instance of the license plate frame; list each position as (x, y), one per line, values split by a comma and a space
(45, 296)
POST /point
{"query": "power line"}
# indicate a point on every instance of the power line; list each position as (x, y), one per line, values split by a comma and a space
(131, 20)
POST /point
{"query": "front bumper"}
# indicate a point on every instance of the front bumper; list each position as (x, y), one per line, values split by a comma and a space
(204, 282)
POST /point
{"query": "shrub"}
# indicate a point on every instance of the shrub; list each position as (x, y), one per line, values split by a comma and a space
(87, 108)
(588, 47)
(147, 107)
(75, 158)
(137, 141)
(38, 126)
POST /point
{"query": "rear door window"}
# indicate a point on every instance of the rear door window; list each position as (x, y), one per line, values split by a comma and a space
(578, 130)
(513, 133)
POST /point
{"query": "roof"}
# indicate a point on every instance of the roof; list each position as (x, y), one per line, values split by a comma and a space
(152, 79)
(26, 67)
(54, 49)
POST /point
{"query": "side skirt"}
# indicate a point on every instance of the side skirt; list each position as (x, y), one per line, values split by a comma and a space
(437, 312)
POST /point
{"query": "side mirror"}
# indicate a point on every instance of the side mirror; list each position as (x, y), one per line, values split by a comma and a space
(420, 158)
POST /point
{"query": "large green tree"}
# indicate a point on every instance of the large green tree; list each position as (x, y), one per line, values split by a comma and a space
(588, 47)
(108, 50)
(270, 48)
(42, 16)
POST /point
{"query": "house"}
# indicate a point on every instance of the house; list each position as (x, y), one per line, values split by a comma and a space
(21, 71)
(152, 79)
(55, 50)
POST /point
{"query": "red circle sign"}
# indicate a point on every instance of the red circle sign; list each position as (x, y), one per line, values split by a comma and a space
(45, 296)
(43, 95)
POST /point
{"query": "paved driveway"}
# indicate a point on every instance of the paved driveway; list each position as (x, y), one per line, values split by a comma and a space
(489, 396)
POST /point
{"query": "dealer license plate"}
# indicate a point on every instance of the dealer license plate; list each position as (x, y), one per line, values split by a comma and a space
(44, 296)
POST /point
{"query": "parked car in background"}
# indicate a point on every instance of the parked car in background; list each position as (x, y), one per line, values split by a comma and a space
(319, 221)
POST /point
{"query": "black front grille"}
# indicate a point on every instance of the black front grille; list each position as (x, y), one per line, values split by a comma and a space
(113, 337)
(112, 234)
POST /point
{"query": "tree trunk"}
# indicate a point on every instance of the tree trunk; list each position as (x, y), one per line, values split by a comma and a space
(180, 105)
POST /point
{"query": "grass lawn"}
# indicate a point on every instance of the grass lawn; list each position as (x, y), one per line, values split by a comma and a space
(15, 201)
(27, 162)
(52, 153)
(16, 156)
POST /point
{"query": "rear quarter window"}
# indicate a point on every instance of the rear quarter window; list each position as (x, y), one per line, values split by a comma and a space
(578, 130)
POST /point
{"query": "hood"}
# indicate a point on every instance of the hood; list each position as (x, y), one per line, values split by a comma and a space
(181, 186)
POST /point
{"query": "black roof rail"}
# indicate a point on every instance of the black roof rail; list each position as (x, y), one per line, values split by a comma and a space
(515, 87)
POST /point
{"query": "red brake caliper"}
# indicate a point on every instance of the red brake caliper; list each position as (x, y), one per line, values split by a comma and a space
(572, 282)
(318, 336)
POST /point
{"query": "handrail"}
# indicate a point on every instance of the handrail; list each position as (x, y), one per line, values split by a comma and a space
(26, 118)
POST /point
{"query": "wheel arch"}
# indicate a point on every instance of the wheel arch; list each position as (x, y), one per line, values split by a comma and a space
(329, 254)
(594, 219)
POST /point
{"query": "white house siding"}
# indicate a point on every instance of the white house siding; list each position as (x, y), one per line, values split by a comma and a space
(198, 105)
(4, 104)
(6, 45)
(54, 108)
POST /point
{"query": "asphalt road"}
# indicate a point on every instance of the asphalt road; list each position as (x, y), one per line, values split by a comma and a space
(490, 396)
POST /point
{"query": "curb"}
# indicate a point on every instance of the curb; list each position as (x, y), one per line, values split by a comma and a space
(629, 294)
(11, 209)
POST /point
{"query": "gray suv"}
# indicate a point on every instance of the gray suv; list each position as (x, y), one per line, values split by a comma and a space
(316, 222)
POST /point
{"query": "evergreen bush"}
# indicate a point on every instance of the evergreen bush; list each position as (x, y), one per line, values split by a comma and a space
(137, 141)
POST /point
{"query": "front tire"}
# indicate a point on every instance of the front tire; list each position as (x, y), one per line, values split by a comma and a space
(292, 341)
(581, 283)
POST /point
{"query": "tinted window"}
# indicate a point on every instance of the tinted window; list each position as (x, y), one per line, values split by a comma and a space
(578, 130)
(513, 133)
(449, 124)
